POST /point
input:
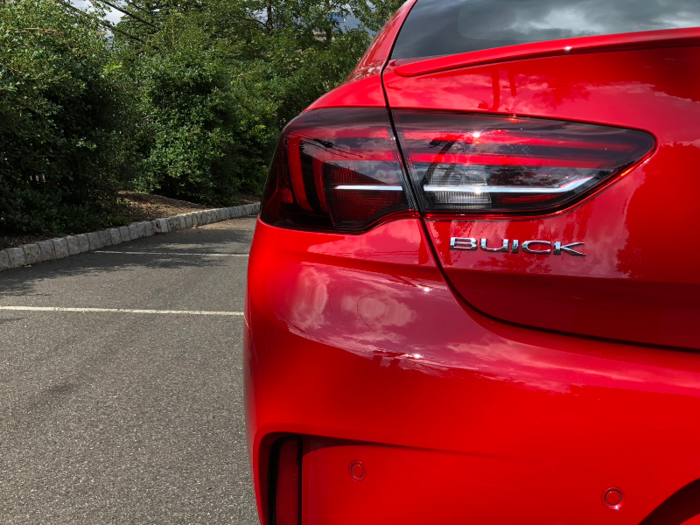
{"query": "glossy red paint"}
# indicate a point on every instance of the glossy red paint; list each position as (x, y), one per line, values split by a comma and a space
(365, 92)
(364, 85)
(570, 46)
(379, 51)
(360, 344)
(358, 341)
(639, 279)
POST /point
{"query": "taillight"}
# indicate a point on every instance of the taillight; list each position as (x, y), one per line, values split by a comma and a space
(285, 482)
(481, 163)
(335, 169)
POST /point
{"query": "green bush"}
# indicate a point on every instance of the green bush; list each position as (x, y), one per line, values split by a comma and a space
(185, 98)
(218, 83)
(66, 124)
(198, 139)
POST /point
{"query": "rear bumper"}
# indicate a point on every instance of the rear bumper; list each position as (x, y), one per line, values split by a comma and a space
(357, 343)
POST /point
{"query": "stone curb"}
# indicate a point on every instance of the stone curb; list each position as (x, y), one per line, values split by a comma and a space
(85, 242)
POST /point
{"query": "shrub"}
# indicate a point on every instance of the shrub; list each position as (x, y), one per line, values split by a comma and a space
(66, 144)
(189, 117)
(218, 83)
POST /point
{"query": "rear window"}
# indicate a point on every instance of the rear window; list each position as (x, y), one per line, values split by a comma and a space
(446, 27)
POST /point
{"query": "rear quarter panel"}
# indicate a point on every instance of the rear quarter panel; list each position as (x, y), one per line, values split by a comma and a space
(356, 342)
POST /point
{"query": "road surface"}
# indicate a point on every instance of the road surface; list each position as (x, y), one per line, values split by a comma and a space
(119, 410)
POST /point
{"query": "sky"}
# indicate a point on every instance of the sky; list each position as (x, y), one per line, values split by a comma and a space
(112, 16)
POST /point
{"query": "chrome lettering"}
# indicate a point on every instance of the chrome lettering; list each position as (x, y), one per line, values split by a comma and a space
(527, 244)
(503, 248)
(536, 247)
(463, 243)
(568, 248)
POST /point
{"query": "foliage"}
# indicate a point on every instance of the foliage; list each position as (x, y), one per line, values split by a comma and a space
(220, 79)
(185, 98)
(65, 124)
(375, 14)
(190, 111)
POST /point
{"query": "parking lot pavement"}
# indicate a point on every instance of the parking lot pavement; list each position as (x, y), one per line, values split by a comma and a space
(116, 411)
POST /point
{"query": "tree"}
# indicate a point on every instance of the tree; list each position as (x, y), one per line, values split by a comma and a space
(219, 79)
(186, 98)
(65, 122)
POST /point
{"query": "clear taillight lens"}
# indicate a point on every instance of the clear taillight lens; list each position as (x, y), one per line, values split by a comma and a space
(335, 169)
(482, 163)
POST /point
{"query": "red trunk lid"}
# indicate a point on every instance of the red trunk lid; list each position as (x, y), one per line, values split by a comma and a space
(639, 279)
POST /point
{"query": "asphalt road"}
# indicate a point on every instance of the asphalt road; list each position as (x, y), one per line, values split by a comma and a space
(123, 417)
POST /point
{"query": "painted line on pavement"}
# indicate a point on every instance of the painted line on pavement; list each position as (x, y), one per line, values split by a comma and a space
(178, 253)
(114, 310)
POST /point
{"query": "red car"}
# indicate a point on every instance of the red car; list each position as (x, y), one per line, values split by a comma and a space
(474, 290)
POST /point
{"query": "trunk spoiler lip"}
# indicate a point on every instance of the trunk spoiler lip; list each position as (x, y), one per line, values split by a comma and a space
(569, 46)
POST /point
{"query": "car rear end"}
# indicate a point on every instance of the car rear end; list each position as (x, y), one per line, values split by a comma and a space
(473, 288)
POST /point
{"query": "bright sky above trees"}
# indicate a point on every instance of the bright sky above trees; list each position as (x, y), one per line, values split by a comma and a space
(113, 16)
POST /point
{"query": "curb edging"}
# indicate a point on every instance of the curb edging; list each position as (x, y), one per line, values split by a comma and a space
(61, 247)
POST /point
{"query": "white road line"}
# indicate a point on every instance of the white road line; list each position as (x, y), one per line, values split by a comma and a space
(114, 310)
(178, 253)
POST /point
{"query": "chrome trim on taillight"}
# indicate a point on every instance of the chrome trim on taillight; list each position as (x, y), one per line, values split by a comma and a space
(569, 186)
(358, 187)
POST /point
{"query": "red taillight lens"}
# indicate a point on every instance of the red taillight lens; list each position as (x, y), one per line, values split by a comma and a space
(335, 169)
(285, 482)
(477, 163)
